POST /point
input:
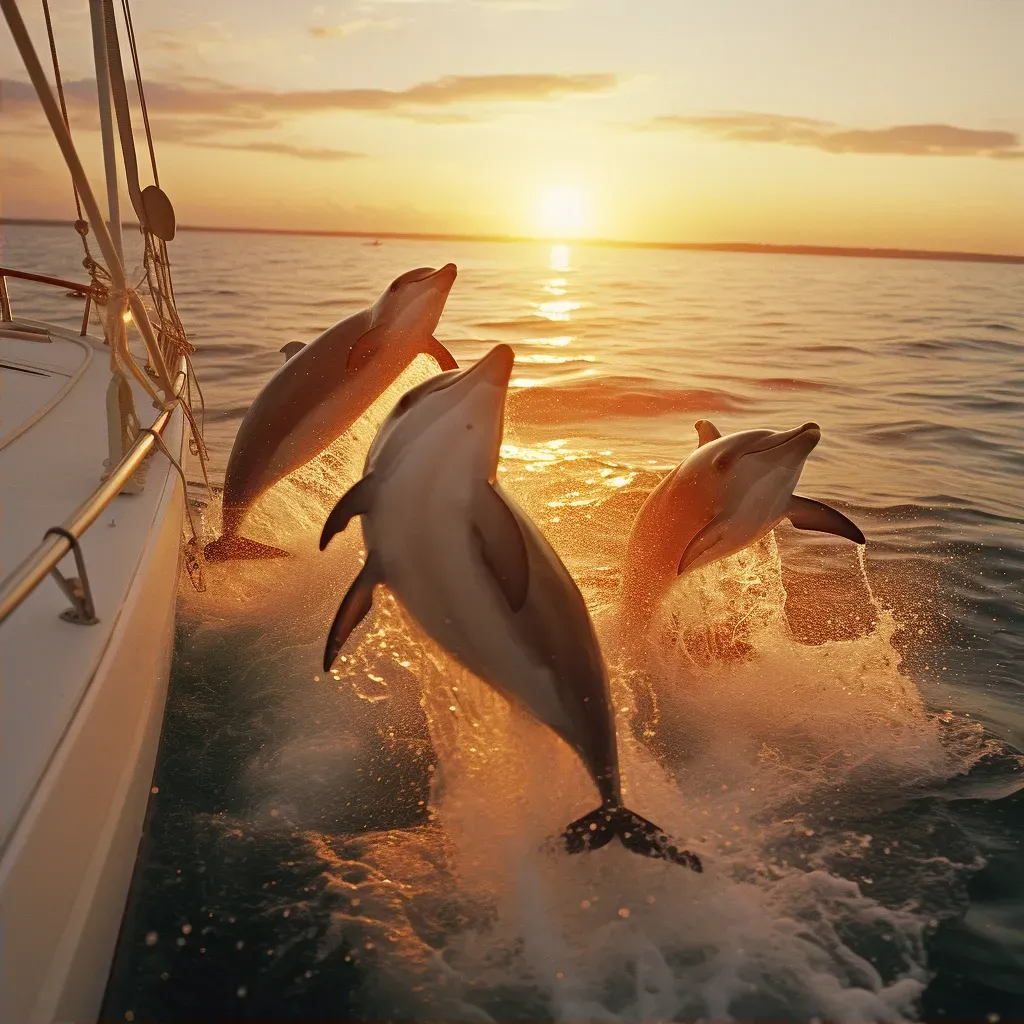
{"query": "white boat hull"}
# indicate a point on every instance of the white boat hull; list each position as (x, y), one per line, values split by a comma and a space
(73, 829)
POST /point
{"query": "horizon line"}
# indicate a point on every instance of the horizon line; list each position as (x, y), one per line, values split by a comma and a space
(757, 248)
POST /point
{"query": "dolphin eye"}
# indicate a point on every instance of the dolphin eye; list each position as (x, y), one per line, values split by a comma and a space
(722, 463)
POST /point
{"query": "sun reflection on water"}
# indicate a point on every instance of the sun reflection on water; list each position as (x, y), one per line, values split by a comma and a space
(559, 258)
(558, 310)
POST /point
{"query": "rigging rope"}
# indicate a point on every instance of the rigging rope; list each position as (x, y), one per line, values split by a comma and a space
(97, 271)
(126, 7)
(60, 89)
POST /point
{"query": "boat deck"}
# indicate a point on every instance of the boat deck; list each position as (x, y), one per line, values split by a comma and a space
(53, 443)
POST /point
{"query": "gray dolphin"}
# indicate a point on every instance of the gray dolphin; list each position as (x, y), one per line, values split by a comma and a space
(478, 576)
(322, 389)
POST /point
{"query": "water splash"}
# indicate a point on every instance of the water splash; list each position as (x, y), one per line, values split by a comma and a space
(766, 756)
(763, 757)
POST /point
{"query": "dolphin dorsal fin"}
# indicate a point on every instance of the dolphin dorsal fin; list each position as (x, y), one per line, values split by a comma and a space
(366, 347)
(292, 348)
(502, 544)
(808, 514)
(706, 431)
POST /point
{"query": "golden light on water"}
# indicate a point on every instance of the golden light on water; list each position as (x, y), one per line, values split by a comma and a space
(559, 258)
(558, 310)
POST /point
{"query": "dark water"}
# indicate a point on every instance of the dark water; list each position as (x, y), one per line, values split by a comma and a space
(838, 740)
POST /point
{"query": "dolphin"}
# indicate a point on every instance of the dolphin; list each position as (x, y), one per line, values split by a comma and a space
(724, 497)
(322, 389)
(480, 579)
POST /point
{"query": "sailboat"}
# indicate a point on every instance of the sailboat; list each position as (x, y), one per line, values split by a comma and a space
(95, 428)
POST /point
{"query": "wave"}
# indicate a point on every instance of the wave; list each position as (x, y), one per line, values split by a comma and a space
(613, 397)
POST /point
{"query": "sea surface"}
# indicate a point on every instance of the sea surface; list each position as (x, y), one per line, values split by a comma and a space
(837, 733)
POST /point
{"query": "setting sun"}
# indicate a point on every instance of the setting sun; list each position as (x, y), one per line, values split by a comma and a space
(563, 211)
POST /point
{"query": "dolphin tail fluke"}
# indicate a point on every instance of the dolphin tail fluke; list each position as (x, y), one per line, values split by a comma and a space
(600, 827)
(232, 548)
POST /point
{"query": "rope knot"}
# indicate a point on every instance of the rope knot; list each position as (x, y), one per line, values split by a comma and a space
(82, 227)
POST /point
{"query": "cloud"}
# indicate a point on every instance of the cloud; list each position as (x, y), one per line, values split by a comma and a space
(205, 112)
(498, 5)
(253, 107)
(18, 167)
(903, 140)
(286, 149)
(350, 28)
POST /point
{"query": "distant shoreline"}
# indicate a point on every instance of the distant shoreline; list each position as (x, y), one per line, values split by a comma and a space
(747, 247)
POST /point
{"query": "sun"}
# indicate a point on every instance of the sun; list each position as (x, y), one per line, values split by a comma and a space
(563, 212)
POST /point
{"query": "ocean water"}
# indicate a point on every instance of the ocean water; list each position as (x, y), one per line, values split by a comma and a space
(837, 734)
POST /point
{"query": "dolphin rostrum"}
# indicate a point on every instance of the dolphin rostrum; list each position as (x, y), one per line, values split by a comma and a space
(726, 495)
(322, 389)
(480, 579)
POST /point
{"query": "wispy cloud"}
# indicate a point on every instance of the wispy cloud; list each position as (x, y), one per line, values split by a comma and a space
(211, 114)
(254, 107)
(350, 28)
(17, 167)
(498, 5)
(286, 149)
(902, 139)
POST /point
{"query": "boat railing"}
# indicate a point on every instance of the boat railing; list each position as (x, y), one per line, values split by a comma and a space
(90, 292)
(62, 539)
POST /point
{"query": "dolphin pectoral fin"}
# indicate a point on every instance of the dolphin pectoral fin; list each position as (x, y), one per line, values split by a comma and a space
(502, 544)
(365, 348)
(808, 514)
(354, 606)
(440, 355)
(356, 501)
(292, 348)
(706, 431)
(701, 541)
(638, 835)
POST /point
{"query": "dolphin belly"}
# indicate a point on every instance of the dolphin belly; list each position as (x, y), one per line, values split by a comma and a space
(433, 564)
(440, 577)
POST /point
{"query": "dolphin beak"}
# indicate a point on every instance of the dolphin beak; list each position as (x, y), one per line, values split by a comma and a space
(445, 277)
(495, 368)
(808, 432)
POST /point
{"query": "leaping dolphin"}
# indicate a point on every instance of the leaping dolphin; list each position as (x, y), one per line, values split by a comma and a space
(478, 576)
(322, 389)
(724, 497)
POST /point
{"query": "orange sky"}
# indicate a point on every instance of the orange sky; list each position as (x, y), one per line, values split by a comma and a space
(802, 121)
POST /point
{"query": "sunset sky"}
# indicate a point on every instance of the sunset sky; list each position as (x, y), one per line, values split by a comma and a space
(846, 122)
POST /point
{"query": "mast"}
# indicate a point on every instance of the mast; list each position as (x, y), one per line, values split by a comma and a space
(99, 49)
